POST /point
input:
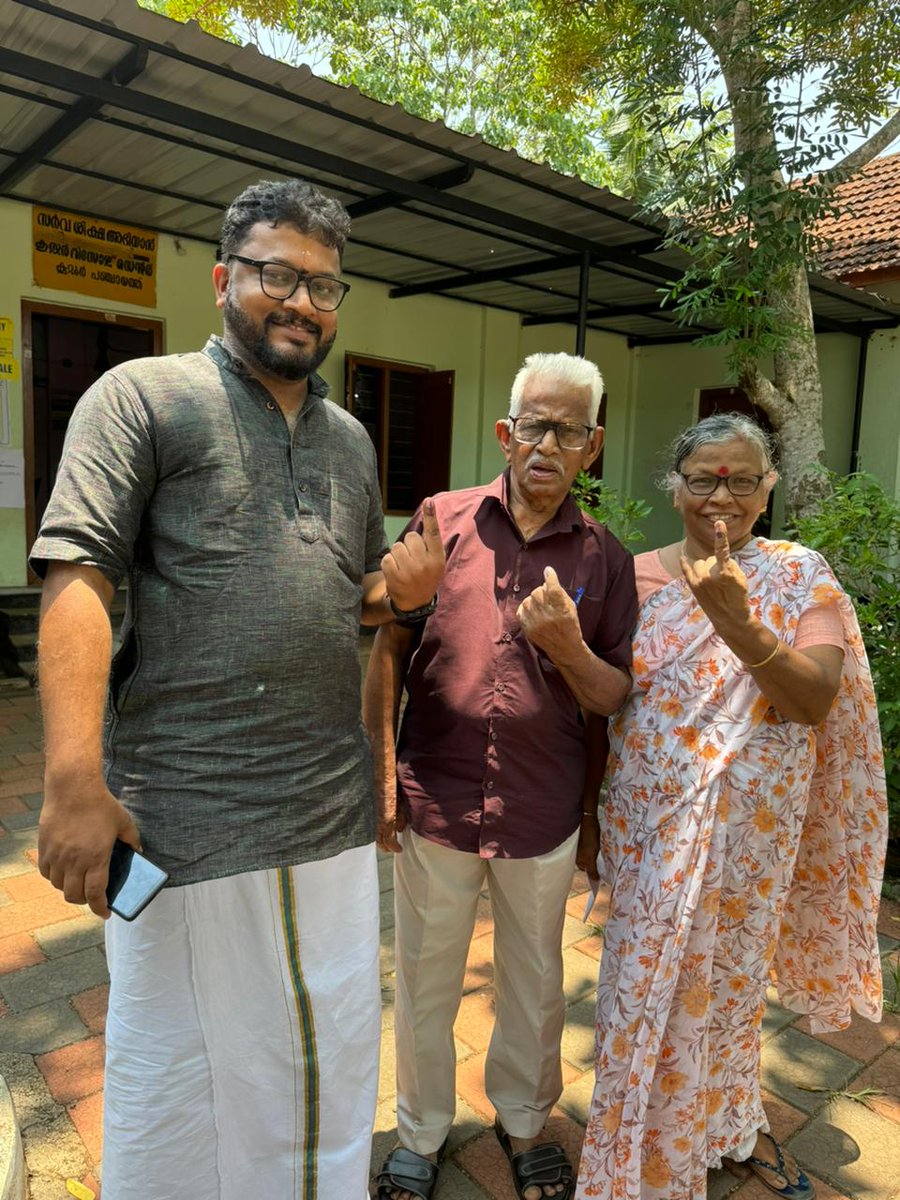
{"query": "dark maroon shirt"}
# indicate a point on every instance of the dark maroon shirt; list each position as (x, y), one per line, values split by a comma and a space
(491, 753)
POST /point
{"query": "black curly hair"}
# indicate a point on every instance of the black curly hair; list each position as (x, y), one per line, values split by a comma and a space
(289, 202)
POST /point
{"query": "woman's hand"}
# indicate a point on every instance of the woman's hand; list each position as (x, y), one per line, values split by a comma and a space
(719, 585)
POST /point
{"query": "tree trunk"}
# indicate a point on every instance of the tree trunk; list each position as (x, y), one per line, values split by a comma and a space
(793, 398)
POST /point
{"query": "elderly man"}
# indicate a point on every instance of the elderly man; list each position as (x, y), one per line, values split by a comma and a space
(244, 508)
(492, 776)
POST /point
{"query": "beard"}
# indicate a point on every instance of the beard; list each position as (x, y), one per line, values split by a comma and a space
(293, 364)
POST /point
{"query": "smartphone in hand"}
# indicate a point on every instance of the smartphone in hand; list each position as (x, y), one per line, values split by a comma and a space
(133, 881)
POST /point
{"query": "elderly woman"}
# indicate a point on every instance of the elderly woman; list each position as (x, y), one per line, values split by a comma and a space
(744, 834)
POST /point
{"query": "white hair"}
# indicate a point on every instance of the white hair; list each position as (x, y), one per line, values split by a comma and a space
(569, 369)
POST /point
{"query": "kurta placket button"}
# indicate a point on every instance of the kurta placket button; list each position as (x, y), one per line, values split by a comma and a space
(270, 405)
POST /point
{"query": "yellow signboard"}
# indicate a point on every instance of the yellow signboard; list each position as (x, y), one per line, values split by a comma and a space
(93, 256)
(9, 366)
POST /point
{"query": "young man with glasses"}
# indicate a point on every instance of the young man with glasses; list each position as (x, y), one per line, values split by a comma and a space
(492, 783)
(244, 509)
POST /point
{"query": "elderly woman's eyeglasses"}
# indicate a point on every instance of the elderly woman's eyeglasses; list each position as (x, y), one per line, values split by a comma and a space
(569, 435)
(279, 282)
(738, 485)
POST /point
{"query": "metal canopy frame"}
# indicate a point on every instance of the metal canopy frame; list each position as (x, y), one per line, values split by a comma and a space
(430, 207)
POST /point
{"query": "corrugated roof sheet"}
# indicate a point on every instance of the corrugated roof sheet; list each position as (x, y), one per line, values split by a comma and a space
(166, 124)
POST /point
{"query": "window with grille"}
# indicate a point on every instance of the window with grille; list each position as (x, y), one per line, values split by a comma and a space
(407, 411)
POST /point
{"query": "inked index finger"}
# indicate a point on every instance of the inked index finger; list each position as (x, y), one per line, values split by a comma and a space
(431, 529)
(723, 550)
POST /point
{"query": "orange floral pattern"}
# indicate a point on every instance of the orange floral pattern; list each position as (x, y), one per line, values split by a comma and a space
(737, 845)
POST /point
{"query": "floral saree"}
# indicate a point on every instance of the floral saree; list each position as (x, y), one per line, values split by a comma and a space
(740, 849)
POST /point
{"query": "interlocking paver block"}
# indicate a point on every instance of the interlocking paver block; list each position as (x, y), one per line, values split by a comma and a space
(28, 819)
(87, 1117)
(91, 1007)
(855, 1150)
(55, 978)
(579, 975)
(18, 951)
(475, 1019)
(864, 1039)
(480, 963)
(30, 886)
(65, 937)
(793, 1063)
(577, 1096)
(579, 1035)
(34, 914)
(884, 1076)
(38, 1030)
(720, 1184)
(784, 1119)
(21, 787)
(73, 1071)
(776, 1017)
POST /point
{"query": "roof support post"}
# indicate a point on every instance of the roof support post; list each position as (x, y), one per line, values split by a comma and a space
(861, 365)
(584, 276)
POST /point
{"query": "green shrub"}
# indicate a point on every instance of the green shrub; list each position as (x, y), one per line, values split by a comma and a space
(857, 528)
(619, 514)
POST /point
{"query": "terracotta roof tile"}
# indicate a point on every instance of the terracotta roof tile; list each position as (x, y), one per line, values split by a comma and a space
(866, 237)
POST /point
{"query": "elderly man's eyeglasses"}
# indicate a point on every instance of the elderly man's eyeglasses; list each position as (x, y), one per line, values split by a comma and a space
(279, 282)
(738, 485)
(569, 435)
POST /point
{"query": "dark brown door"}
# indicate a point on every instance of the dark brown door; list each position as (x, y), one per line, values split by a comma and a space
(65, 353)
(735, 399)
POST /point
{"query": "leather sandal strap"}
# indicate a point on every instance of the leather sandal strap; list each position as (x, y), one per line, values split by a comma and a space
(546, 1163)
(406, 1171)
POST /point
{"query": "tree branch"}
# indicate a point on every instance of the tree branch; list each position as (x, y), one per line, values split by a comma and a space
(762, 391)
(864, 154)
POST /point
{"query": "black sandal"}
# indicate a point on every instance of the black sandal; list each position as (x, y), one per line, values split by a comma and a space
(406, 1171)
(542, 1166)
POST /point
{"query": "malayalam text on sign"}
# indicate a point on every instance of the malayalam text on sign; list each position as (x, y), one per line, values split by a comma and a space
(93, 256)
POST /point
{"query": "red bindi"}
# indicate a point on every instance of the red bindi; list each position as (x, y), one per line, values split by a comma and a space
(723, 471)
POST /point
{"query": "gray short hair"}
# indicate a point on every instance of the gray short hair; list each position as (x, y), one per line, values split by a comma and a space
(714, 431)
(564, 368)
(284, 202)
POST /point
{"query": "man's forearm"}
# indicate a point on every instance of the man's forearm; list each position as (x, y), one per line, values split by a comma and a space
(381, 704)
(376, 605)
(74, 654)
(596, 685)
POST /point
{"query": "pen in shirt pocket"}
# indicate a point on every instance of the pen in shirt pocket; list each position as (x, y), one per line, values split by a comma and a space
(579, 592)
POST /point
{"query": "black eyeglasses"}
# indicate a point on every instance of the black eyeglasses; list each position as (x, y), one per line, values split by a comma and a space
(738, 485)
(569, 435)
(279, 282)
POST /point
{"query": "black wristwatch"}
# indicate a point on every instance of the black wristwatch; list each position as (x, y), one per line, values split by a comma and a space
(415, 616)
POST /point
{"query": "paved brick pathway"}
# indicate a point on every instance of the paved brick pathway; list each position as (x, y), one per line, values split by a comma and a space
(834, 1098)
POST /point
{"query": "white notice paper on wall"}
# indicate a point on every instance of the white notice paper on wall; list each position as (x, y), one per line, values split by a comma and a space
(12, 478)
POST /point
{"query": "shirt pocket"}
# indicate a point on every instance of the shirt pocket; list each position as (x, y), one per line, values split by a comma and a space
(344, 510)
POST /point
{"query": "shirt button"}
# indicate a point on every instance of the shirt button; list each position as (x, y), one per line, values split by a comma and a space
(303, 487)
(516, 588)
(507, 637)
(493, 736)
(501, 687)
(490, 784)
(270, 405)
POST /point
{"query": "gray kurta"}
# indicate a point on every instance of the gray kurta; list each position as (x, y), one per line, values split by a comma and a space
(234, 737)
